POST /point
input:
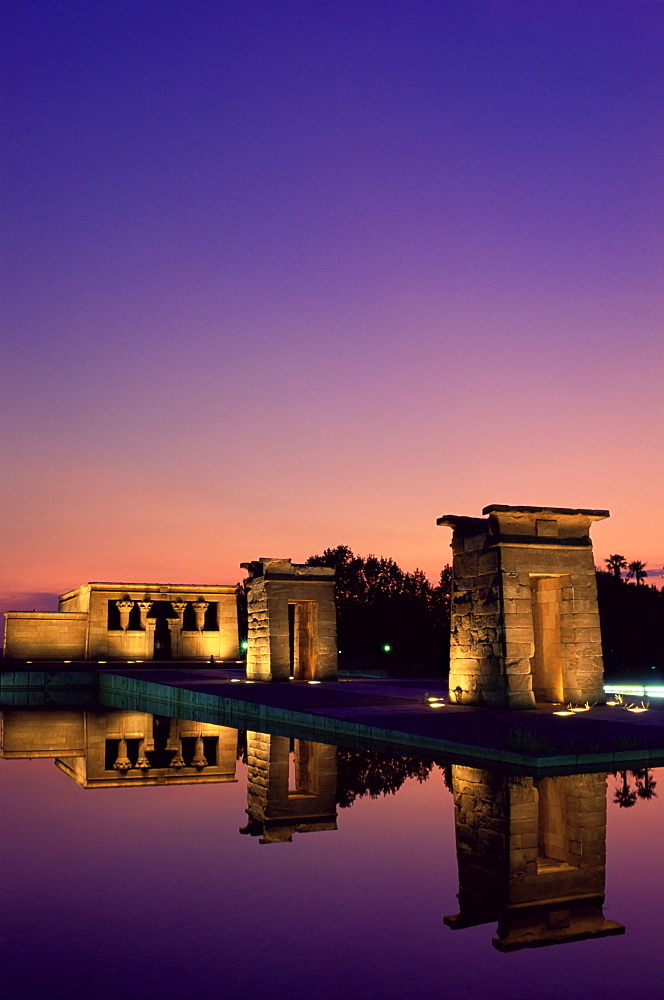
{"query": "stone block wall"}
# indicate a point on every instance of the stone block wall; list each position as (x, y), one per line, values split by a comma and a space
(35, 635)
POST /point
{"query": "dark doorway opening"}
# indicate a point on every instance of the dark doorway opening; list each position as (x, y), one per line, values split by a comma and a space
(162, 639)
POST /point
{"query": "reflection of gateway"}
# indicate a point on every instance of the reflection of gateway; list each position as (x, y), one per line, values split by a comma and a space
(107, 748)
(280, 804)
(531, 855)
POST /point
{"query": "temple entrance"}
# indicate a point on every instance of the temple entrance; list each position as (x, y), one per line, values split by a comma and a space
(162, 639)
(546, 664)
(302, 639)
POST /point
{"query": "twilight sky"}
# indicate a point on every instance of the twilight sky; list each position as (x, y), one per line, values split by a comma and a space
(286, 275)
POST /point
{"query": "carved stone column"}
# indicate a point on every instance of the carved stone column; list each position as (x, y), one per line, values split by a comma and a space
(144, 608)
(124, 607)
(176, 628)
(200, 607)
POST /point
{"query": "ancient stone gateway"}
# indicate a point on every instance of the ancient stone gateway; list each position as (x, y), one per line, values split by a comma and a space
(531, 855)
(292, 625)
(525, 624)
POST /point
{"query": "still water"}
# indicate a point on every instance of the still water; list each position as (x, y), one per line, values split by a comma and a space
(146, 858)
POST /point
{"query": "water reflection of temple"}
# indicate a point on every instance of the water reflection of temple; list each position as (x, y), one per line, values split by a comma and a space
(111, 748)
(531, 855)
(289, 792)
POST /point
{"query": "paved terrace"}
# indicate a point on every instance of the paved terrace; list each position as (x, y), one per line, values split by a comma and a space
(397, 715)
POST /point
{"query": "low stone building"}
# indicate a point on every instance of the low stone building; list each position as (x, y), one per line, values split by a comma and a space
(525, 622)
(123, 621)
(292, 621)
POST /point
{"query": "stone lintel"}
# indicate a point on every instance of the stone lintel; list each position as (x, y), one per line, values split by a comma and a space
(284, 569)
(590, 513)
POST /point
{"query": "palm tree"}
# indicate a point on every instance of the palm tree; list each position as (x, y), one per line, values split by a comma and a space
(637, 569)
(616, 564)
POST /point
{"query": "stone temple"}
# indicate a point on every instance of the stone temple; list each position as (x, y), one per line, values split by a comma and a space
(525, 622)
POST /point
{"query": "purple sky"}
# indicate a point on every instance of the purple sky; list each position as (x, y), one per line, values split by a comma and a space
(279, 276)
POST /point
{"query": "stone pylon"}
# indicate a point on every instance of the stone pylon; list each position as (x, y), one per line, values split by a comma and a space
(292, 622)
(525, 623)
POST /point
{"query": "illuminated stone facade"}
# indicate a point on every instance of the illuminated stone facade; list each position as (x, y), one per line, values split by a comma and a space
(292, 621)
(129, 621)
(105, 749)
(281, 802)
(525, 623)
(531, 855)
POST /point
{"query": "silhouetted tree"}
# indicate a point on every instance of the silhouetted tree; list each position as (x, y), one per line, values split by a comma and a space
(632, 623)
(645, 786)
(623, 795)
(365, 772)
(616, 564)
(637, 569)
(379, 605)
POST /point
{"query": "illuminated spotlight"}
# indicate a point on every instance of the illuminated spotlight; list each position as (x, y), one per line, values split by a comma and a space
(236, 680)
(565, 712)
(140, 661)
(313, 682)
(387, 648)
(434, 697)
(248, 682)
(66, 661)
(28, 661)
(244, 644)
(612, 702)
(585, 708)
(291, 678)
(436, 704)
(637, 709)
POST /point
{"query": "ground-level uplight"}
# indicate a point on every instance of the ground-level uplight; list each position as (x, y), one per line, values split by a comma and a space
(387, 648)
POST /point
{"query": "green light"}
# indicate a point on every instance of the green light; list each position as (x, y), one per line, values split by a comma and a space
(387, 648)
(244, 644)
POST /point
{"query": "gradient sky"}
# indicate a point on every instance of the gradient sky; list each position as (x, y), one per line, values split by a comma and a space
(286, 275)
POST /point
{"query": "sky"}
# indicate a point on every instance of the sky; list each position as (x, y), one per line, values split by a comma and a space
(279, 276)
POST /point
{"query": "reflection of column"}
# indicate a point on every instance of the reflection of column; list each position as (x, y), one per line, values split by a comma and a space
(142, 762)
(198, 760)
(176, 628)
(531, 855)
(122, 762)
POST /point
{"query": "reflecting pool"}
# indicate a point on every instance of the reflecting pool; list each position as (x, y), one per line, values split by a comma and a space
(149, 857)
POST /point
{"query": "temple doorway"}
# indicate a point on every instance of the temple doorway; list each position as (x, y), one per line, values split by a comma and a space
(546, 664)
(162, 639)
(302, 639)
